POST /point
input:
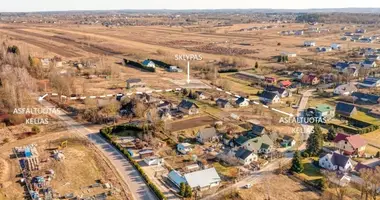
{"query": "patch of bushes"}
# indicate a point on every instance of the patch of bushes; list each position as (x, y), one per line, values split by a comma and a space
(138, 65)
(228, 70)
(106, 133)
(161, 64)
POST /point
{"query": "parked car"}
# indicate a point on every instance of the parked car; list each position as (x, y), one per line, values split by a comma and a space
(248, 186)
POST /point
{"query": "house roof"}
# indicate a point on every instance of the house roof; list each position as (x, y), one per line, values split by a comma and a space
(185, 144)
(346, 88)
(243, 153)
(308, 78)
(261, 142)
(207, 133)
(133, 80)
(187, 104)
(368, 62)
(339, 137)
(272, 88)
(370, 97)
(268, 95)
(344, 108)
(240, 100)
(296, 73)
(146, 62)
(339, 159)
(361, 166)
(356, 141)
(176, 177)
(286, 83)
(324, 108)
(222, 101)
(241, 140)
(202, 178)
(257, 129)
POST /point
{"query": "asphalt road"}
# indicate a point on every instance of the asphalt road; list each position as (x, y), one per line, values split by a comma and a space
(136, 184)
(307, 129)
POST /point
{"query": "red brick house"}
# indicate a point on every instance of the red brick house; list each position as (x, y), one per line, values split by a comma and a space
(350, 144)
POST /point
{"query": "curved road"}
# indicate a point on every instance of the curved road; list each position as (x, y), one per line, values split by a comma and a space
(136, 184)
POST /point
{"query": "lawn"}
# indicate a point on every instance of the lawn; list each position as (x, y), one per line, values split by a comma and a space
(310, 171)
(364, 117)
(228, 172)
(373, 137)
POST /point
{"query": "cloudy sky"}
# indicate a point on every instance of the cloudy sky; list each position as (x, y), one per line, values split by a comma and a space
(59, 5)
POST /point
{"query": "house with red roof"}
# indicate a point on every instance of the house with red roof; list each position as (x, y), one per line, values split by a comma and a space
(310, 79)
(350, 144)
(285, 83)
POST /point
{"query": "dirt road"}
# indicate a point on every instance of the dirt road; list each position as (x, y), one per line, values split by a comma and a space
(255, 177)
(136, 184)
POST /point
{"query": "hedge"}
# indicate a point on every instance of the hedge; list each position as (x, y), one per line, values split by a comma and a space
(227, 70)
(138, 65)
(105, 132)
(353, 130)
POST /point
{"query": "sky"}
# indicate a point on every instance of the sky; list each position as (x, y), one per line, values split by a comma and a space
(64, 5)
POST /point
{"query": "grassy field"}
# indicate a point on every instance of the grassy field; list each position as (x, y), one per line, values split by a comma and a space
(238, 85)
(228, 172)
(310, 172)
(364, 117)
(278, 187)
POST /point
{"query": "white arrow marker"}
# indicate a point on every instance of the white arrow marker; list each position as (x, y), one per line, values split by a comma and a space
(188, 72)
(42, 97)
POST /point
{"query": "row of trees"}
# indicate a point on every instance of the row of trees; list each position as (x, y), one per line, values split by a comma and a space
(185, 190)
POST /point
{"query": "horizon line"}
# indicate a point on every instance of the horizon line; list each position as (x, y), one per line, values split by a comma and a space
(193, 9)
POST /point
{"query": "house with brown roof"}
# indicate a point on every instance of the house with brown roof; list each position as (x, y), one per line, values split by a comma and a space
(350, 144)
(310, 80)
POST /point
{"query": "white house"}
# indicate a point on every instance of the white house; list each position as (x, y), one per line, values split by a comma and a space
(245, 156)
(288, 54)
(154, 160)
(184, 148)
(242, 102)
(207, 135)
(269, 97)
(369, 64)
(324, 49)
(203, 180)
(336, 46)
(309, 44)
(335, 161)
(345, 89)
(149, 63)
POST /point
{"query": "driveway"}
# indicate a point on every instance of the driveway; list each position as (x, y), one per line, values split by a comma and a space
(136, 184)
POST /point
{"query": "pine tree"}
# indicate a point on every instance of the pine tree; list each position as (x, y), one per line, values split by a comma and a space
(190, 94)
(188, 191)
(315, 141)
(297, 163)
(182, 189)
(331, 134)
(256, 65)
(279, 59)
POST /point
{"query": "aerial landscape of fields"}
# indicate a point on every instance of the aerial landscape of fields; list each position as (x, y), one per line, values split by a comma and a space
(190, 104)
